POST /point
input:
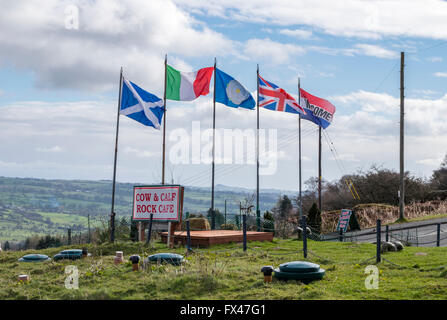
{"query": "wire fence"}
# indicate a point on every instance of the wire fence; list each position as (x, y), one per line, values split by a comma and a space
(409, 235)
(406, 234)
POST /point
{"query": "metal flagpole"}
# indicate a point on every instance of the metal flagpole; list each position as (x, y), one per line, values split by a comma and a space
(164, 145)
(258, 211)
(164, 127)
(112, 211)
(299, 150)
(213, 222)
(401, 153)
(319, 168)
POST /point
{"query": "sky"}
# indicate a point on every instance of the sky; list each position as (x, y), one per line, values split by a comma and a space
(60, 63)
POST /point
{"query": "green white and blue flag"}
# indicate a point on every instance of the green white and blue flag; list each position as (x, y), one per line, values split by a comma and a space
(141, 105)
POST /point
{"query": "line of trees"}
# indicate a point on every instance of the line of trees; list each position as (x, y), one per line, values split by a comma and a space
(375, 185)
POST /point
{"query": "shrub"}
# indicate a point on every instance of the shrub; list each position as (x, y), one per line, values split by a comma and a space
(268, 224)
(314, 218)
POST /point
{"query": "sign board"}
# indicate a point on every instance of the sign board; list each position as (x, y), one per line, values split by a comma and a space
(343, 221)
(164, 201)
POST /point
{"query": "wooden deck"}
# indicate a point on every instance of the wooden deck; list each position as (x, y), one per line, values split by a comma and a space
(207, 238)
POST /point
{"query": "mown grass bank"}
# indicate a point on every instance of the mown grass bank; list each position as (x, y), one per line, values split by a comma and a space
(226, 272)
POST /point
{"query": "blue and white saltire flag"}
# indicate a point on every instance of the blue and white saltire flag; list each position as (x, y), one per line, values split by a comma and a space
(141, 105)
(231, 93)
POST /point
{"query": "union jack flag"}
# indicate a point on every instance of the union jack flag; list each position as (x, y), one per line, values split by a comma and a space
(274, 98)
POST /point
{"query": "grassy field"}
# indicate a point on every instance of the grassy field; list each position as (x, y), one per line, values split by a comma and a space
(226, 272)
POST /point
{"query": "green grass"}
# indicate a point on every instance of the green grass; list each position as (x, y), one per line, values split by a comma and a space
(400, 220)
(428, 217)
(226, 272)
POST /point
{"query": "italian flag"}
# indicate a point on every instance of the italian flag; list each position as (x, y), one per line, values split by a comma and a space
(186, 86)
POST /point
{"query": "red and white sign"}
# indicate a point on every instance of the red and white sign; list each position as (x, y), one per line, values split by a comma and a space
(162, 201)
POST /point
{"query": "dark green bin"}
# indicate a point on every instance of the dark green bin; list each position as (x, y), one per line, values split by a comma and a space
(34, 257)
(171, 258)
(299, 270)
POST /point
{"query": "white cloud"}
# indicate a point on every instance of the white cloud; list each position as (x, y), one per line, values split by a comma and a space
(369, 101)
(357, 49)
(375, 51)
(365, 130)
(267, 30)
(423, 117)
(351, 18)
(349, 157)
(140, 153)
(423, 93)
(440, 74)
(134, 34)
(367, 126)
(430, 162)
(271, 51)
(276, 53)
(297, 33)
(434, 59)
(49, 149)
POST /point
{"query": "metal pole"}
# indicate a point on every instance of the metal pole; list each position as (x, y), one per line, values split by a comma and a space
(149, 231)
(69, 236)
(164, 142)
(299, 151)
(225, 222)
(304, 226)
(164, 125)
(112, 211)
(240, 214)
(258, 211)
(387, 229)
(188, 236)
(169, 234)
(244, 227)
(213, 222)
(319, 169)
(88, 217)
(379, 241)
(341, 235)
(438, 235)
(402, 183)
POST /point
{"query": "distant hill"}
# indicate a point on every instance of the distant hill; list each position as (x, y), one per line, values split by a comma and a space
(31, 206)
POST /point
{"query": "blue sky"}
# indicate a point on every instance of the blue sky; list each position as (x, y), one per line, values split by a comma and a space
(59, 85)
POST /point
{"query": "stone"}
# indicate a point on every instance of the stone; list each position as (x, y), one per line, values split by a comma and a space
(118, 260)
(23, 277)
(300, 231)
(399, 246)
(387, 246)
